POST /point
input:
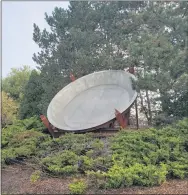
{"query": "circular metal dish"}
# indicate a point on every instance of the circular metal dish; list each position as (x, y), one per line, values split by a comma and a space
(90, 101)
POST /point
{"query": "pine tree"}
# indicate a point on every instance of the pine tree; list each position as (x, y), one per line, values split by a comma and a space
(80, 42)
(93, 36)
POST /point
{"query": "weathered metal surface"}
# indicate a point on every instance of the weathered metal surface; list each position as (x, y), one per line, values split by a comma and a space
(121, 119)
(89, 101)
(47, 124)
(72, 77)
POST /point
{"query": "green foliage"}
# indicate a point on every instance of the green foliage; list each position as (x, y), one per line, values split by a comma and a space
(22, 139)
(137, 174)
(93, 36)
(7, 153)
(179, 169)
(87, 163)
(33, 91)
(9, 132)
(33, 123)
(16, 81)
(9, 110)
(143, 158)
(77, 143)
(22, 144)
(180, 97)
(97, 144)
(96, 179)
(20, 126)
(78, 186)
(84, 39)
(35, 176)
(146, 158)
(62, 163)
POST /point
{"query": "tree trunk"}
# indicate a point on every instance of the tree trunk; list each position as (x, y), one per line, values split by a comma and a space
(149, 108)
(143, 108)
(136, 109)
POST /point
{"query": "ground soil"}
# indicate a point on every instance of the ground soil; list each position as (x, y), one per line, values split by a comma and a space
(16, 180)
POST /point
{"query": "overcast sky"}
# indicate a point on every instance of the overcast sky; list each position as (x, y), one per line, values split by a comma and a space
(17, 30)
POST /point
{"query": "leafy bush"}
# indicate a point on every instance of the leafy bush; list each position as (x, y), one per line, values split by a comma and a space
(97, 144)
(78, 186)
(9, 132)
(142, 158)
(33, 123)
(96, 179)
(146, 157)
(20, 126)
(138, 174)
(64, 163)
(87, 163)
(7, 153)
(9, 109)
(35, 176)
(77, 143)
(22, 144)
(164, 119)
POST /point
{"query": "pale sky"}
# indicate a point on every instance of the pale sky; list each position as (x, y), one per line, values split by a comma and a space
(17, 30)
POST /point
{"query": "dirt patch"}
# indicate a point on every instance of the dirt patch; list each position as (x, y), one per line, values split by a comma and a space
(16, 180)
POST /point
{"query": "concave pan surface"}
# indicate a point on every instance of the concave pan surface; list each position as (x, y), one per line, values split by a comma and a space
(90, 101)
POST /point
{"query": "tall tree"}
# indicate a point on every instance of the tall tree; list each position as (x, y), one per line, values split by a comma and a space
(80, 41)
(33, 92)
(159, 54)
(92, 36)
(15, 82)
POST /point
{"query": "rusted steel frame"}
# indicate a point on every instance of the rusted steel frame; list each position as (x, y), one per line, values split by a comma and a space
(47, 124)
(122, 120)
(72, 77)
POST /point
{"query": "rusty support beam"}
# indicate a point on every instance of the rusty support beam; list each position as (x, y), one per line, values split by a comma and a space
(72, 77)
(121, 120)
(47, 124)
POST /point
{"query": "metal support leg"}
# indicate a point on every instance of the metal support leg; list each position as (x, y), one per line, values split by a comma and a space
(47, 124)
(121, 120)
(72, 77)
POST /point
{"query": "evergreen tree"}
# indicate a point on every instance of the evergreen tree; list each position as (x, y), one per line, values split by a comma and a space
(93, 36)
(33, 92)
(79, 42)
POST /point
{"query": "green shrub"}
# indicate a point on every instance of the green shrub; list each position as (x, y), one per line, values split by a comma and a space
(144, 158)
(8, 133)
(103, 163)
(32, 123)
(178, 169)
(96, 179)
(7, 153)
(20, 126)
(78, 187)
(22, 144)
(62, 163)
(87, 163)
(138, 174)
(97, 144)
(78, 143)
(35, 176)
